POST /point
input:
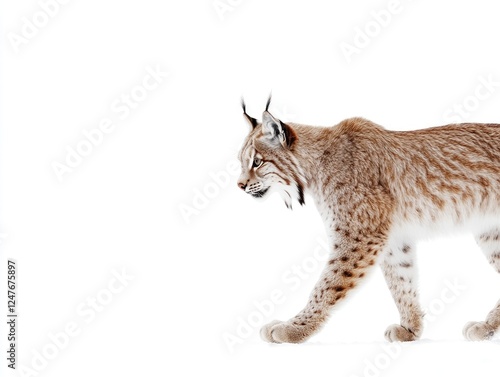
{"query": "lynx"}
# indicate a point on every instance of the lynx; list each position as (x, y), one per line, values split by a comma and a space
(378, 192)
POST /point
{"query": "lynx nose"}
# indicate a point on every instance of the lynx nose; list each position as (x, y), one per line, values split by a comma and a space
(242, 185)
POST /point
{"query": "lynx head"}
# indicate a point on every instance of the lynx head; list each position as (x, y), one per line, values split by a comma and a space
(267, 159)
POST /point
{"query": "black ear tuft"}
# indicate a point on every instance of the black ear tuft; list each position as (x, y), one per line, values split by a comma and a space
(268, 101)
(253, 122)
(243, 106)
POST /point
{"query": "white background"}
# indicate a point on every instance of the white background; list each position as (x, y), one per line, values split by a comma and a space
(197, 276)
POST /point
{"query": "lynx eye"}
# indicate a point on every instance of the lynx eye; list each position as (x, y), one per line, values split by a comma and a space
(257, 162)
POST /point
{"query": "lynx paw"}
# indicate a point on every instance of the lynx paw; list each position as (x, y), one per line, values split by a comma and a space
(266, 331)
(282, 332)
(478, 331)
(397, 333)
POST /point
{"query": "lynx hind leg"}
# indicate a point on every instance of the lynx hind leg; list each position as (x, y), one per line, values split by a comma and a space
(398, 267)
(489, 243)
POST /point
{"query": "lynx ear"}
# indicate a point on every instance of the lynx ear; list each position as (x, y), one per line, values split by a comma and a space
(277, 132)
(252, 121)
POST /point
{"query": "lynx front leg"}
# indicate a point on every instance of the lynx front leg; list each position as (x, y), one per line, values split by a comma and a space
(354, 252)
(399, 271)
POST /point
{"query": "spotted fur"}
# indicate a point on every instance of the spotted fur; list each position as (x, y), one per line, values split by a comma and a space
(378, 193)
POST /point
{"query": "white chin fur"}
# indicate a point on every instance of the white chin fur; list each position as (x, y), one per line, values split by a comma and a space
(287, 193)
